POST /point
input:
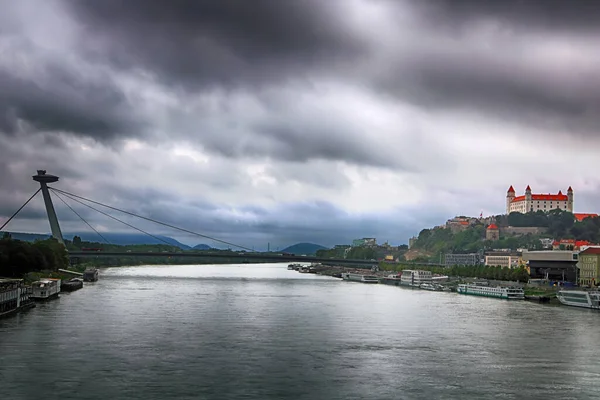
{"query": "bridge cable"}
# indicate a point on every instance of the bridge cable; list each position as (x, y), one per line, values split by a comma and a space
(80, 217)
(155, 221)
(15, 214)
(115, 218)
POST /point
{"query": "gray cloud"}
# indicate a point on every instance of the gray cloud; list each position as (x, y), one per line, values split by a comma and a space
(225, 43)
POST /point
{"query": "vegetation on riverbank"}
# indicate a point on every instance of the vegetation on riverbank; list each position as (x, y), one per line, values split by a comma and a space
(18, 258)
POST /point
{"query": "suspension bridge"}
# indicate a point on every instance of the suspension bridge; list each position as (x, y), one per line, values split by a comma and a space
(243, 253)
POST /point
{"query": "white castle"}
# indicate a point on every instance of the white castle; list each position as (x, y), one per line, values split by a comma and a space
(534, 202)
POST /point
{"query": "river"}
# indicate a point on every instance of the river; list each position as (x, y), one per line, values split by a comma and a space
(263, 332)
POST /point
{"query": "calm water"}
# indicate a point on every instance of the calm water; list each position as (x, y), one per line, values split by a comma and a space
(263, 332)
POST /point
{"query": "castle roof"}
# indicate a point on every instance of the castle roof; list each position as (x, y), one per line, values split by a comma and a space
(511, 189)
(543, 197)
(527, 188)
(492, 226)
(569, 189)
(581, 216)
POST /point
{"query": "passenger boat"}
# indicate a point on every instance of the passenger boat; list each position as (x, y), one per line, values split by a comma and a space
(45, 289)
(14, 297)
(431, 287)
(415, 278)
(360, 278)
(508, 293)
(580, 298)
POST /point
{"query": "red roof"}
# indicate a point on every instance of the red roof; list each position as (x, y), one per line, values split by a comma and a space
(581, 216)
(464, 223)
(551, 197)
(527, 188)
(545, 197)
(569, 189)
(579, 243)
(591, 250)
(492, 226)
(511, 189)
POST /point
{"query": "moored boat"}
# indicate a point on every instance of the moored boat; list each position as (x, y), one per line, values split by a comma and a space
(14, 297)
(360, 278)
(580, 298)
(509, 293)
(90, 275)
(45, 289)
(415, 278)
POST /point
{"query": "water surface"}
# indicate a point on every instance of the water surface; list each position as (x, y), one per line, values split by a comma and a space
(263, 332)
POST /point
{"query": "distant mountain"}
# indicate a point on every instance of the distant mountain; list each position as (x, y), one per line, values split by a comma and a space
(202, 246)
(303, 248)
(121, 239)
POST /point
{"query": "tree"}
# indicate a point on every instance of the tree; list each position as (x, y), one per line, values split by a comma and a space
(77, 241)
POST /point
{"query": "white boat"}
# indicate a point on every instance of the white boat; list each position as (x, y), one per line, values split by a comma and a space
(360, 278)
(509, 293)
(580, 298)
(432, 287)
(45, 289)
(416, 278)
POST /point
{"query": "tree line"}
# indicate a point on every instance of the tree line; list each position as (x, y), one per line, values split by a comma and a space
(17, 257)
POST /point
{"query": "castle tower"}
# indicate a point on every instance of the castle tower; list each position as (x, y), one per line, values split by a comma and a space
(570, 199)
(528, 199)
(510, 196)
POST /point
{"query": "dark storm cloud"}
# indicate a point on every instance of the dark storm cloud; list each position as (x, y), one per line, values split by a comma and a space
(63, 101)
(546, 14)
(225, 43)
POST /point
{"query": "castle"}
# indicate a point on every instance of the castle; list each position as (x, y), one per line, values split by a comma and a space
(534, 202)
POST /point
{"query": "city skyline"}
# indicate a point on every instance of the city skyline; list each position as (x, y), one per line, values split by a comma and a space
(289, 122)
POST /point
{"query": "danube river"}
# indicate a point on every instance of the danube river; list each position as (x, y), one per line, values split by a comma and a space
(263, 332)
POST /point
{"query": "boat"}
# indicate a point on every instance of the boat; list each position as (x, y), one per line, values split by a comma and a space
(580, 298)
(393, 279)
(14, 297)
(360, 278)
(71, 285)
(509, 293)
(90, 275)
(45, 289)
(415, 277)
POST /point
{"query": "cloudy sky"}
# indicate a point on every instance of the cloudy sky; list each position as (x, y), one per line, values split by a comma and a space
(301, 120)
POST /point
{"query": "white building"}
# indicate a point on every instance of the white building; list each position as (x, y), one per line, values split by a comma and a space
(534, 202)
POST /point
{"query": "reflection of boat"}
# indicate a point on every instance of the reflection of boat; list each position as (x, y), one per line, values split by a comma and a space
(360, 278)
(487, 291)
(580, 298)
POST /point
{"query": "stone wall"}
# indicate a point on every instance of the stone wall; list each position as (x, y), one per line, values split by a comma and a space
(522, 230)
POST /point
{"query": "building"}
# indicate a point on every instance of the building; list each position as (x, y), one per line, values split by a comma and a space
(412, 241)
(492, 232)
(364, 242)
(462, 259)
(552, 264)
(589, 260)
(503, 259)
(581, 216)
(534, 202)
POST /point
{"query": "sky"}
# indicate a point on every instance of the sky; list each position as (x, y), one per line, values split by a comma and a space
(279, 122)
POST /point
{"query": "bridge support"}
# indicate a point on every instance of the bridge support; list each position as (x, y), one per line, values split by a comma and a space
(44, 179)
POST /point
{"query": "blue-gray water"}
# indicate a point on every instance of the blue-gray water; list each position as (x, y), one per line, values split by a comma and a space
(263, 332)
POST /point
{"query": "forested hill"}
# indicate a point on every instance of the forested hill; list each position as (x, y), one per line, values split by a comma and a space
(559, 225)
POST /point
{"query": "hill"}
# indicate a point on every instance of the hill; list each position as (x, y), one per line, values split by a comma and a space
(303, 248)
(121, 239)
(202, 246)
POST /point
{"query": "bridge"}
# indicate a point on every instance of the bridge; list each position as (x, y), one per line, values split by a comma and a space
(245, 253)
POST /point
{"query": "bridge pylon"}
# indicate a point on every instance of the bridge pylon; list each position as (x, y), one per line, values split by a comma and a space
(44, 179)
